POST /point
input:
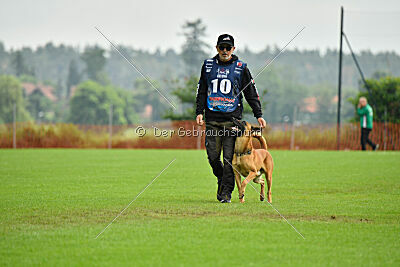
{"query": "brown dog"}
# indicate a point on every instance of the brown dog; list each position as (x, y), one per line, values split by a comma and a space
(251, 162)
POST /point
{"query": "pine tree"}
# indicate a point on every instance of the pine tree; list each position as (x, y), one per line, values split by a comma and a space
(73, 78)
(19, 64)
(95, 62)
(193, 52)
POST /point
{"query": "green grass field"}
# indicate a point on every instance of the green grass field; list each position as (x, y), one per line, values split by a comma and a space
(53, 203)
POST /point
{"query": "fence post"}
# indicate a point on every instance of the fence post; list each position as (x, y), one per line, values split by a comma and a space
(15, 125)
(110, 123)
(385, 137)
(293, 128)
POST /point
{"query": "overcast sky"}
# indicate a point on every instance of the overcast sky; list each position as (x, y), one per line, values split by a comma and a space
(149, 24)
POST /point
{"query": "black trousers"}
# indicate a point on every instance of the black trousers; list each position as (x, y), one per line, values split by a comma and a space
(365, 139)
(219, 136)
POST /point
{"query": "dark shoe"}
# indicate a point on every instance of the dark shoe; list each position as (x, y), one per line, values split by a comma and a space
(226, 199)
(376, 147)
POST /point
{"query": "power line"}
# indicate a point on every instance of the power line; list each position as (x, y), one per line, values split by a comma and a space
(359, 70)
(380, 35)
(394, 12)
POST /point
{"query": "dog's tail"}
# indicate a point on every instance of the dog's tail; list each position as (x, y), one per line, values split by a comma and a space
(262, 141)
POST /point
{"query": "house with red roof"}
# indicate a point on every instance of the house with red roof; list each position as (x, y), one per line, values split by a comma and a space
(46, 90)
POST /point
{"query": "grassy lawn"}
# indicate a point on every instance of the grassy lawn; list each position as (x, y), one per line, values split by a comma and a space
(53, 203)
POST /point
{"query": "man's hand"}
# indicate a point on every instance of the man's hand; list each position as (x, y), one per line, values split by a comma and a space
(262, 122)
(199, 119)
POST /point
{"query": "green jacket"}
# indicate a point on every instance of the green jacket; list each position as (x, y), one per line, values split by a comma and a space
(366, 116)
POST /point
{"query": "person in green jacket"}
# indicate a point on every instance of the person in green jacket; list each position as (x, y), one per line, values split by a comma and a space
(366, 115)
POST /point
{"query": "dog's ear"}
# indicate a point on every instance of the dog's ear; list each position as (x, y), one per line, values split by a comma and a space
(256, 130)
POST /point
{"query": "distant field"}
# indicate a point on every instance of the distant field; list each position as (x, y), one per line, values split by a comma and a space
(54, 202)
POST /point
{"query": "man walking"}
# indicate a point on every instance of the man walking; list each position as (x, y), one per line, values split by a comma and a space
(366, 121)
(219, 94)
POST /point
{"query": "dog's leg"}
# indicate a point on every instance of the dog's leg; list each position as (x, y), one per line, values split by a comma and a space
(262, 192)
(238, 181)
(260, 180)
(268, 175)
(269, 166)
(250, 177)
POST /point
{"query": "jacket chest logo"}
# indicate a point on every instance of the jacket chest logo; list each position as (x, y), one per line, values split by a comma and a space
(222, 72)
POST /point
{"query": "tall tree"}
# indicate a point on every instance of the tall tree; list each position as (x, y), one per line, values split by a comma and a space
(193, 52)
(91, 104)
(10, 93)
(59, 90)
(73, 78)
(145, 95)
(38, 104)
(186, 95)
(129, 106)
(94, 58)
(19, 65)
(3, 58)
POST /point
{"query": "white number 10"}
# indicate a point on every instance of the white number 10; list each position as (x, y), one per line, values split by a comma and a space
(224, 86)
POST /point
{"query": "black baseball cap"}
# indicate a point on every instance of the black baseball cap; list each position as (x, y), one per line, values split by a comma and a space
(226, 39)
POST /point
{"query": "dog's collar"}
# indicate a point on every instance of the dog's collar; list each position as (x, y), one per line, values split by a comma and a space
(248, 152)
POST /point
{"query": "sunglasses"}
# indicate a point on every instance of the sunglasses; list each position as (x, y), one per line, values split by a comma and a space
(227, 47)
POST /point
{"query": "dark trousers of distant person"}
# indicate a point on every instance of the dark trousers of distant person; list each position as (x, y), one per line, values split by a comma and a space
(365, 139)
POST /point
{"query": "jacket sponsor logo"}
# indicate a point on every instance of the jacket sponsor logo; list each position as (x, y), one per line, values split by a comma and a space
(222, 99)
(239, 64)
(222, 73)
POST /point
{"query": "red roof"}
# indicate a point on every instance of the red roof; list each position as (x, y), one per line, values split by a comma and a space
(46, 90)
(310, 104)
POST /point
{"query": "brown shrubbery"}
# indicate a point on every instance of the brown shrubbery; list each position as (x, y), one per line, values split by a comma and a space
(62, 135)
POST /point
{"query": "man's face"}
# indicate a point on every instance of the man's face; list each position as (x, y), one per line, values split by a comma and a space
(363, 102)
(225, 51)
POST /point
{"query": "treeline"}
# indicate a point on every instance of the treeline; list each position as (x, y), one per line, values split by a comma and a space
(52, 63)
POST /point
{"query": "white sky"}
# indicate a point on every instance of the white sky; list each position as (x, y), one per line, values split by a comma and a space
(150, 24)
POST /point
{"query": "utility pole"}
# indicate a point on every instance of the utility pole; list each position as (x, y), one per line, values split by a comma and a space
(340, 80)
(15, 125)
(293, 128)
(110, 123)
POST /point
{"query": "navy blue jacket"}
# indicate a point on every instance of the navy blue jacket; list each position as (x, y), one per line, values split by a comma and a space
(250, 94)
